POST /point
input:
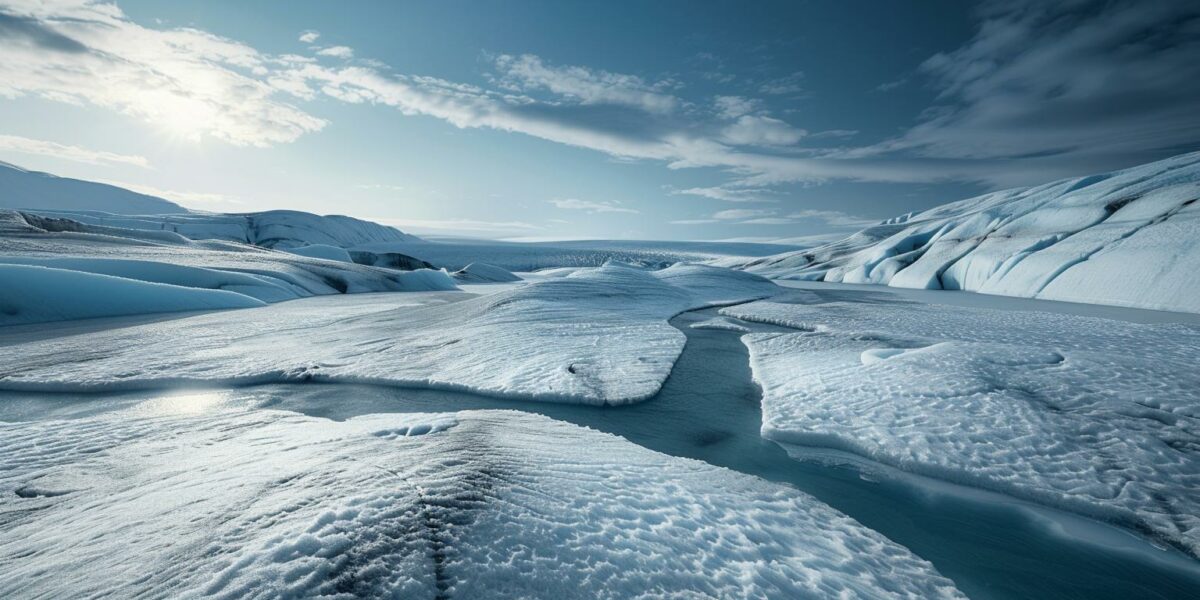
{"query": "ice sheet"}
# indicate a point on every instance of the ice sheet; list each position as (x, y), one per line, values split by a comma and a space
(1097, 416)
(183, 498)
(597, 336)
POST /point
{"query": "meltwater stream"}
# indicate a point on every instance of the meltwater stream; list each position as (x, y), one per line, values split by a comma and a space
(709, 410)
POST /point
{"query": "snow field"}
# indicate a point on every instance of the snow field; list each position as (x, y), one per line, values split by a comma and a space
(236, 504)
(1096, 416)
(597, 336)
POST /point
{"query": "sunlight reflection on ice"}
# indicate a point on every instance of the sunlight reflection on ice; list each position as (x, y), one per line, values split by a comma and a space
(183, 403)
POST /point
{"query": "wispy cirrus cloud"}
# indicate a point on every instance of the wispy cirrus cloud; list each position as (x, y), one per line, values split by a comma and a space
(728, 194)
(528, 72)
(591, 206)
(1028, 98)
(24, 145)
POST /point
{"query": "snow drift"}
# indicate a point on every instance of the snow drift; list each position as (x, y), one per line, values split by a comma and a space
(1127, 238)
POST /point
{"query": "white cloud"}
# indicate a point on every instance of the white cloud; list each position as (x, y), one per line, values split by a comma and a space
(751, 130)
(591, 206)
(694, 222)
(588, 86)
(337, 52)
(732, 107)
(741, 213)
(187, 82)
(309, 36)
(380, 186)
(23, 145)
(728, 194)
(786, 85)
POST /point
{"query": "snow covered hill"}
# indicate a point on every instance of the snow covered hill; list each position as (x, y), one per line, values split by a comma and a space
(268, 229)
(59, 269)
(35, 190)
(1127, 238)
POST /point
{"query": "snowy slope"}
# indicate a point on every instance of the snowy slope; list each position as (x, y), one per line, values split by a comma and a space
(268, 229)
(1127, 238)
(37, 294)
(37, 191)
(163, 257)
(598, 336)
(182, 498)
(1091, 415)
(324, 251)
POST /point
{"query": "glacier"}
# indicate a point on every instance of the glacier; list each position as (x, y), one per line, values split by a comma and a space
(163, 257)
(1092, 415)
(229, 503)
(1126, 238)
(596, 336)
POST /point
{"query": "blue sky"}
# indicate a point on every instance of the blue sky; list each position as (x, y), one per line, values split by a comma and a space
(543, 120)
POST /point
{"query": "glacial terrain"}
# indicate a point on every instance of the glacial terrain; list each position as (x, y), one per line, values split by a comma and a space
(285, 404)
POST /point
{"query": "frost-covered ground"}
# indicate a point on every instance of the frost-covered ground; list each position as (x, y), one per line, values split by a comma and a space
(1127, 238)
(61, 269)
(597, 336)
(455, 254)
(1097, 416)
(176, 498)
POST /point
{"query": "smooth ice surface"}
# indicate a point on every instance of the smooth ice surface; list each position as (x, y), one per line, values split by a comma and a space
(1091, 415)
(455, 254)
(597, 336)
(1127, 238)
(39, 294)
(176, 498)
(166, 257)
